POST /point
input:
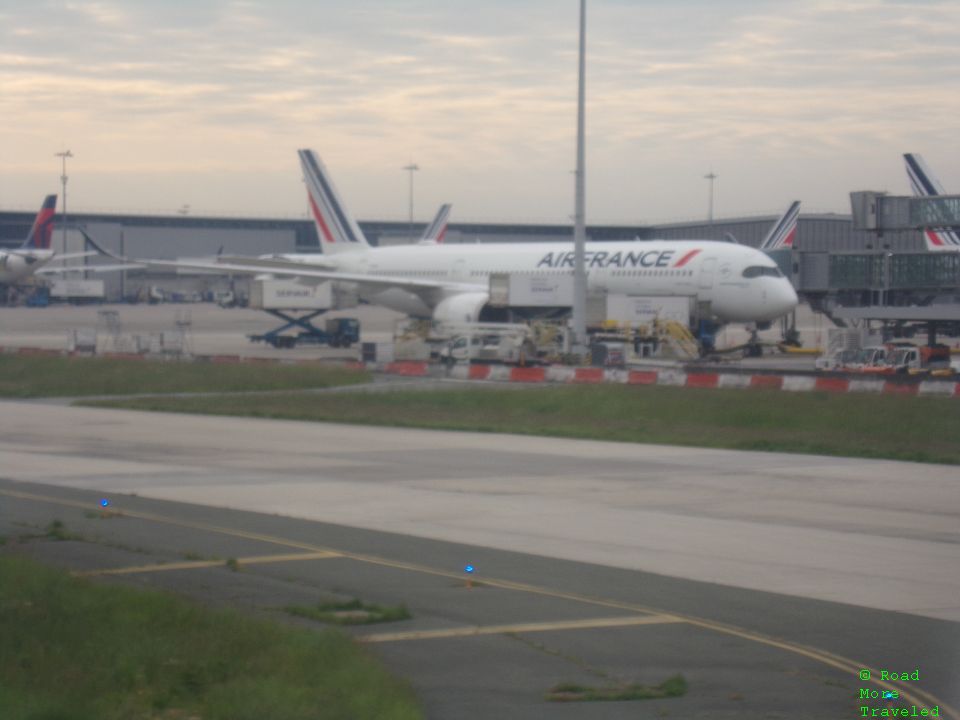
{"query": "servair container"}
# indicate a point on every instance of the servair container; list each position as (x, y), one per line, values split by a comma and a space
(290, 295)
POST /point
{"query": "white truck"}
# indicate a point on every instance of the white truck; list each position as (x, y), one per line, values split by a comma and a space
(75, 290)
(491, 346)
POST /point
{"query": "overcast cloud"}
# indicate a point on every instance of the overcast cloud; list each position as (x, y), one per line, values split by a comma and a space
(204, 102)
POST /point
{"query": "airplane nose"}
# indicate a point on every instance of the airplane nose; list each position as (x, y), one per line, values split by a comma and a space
(784, 298)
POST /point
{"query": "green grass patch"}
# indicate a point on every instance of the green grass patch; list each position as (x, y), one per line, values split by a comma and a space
(896, 427)
(350, 612)
(675, 686)
(56, 530)
(30, 376)
(75, 650)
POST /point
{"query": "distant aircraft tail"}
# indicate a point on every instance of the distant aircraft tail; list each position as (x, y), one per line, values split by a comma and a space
(42, 230)
(437, 230)
(924, 184)
(337, 229)
(784, 231)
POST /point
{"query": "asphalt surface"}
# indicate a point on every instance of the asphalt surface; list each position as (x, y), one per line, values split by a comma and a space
(527, 623)
(767, 580)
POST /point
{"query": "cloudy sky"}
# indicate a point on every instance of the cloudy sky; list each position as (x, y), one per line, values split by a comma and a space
(204, 102)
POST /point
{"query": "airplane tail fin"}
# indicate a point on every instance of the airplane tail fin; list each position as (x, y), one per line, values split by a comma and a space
(42, 230)
(337, 229)
(437, 230)
(922, 181)
(784, 230)
(924, 184)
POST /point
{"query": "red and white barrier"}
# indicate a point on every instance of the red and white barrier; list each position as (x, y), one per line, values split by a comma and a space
(676, 377)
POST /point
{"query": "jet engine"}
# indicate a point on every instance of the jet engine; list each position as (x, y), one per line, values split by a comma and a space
(469, 307)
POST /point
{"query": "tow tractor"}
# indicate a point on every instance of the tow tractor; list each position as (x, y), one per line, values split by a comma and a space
(338, 332)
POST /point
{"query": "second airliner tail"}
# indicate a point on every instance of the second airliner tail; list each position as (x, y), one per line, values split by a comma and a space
(784, 231)
(41, 232)
(437, 230)
(924, 184)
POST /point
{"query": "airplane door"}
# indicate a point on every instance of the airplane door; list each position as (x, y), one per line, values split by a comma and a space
(459, 272)
(706, 273)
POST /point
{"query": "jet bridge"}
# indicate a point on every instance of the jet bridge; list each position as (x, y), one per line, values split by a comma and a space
(880, 212)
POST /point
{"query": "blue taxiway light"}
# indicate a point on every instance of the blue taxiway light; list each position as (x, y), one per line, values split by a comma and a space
(104, 503)
(468, 569)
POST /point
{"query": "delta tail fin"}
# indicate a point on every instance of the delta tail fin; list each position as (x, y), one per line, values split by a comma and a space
(42, 231)
(437, 230)
(924, 184)
(784, 231)
(336, 228)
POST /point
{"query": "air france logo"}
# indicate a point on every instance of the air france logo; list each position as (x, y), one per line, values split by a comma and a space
(631, 259)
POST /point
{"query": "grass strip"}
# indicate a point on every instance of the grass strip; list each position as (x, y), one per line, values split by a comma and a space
(921, 429)
(75, 650)
(37, 376)
(350, 612)
(675, 686)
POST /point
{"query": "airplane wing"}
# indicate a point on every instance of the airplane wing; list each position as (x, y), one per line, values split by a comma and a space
(66, 256)
(279, 262)
(47, 270)
(293, 268)
(309, 271)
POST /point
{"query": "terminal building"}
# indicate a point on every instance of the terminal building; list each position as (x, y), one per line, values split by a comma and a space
(841, 270)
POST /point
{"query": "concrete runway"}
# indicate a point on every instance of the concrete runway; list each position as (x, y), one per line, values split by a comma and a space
(864, 554)
(876, 534)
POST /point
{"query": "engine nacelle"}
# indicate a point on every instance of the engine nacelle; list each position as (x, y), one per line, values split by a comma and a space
(463, 308)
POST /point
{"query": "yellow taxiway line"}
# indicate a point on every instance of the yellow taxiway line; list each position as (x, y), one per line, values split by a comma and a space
(913, 694)
(194, 564)
(470, 631)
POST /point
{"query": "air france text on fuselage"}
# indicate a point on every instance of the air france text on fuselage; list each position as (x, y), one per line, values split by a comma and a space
(628, 259)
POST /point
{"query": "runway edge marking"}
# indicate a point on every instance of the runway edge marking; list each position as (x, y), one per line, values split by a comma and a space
(915, 695)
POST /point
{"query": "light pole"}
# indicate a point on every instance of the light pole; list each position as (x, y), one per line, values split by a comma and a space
(711, 176)
(579, 214)
(411, 168)
(63, 180)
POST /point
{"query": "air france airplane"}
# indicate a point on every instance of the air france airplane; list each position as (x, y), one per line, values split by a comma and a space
(450, 282)
(924, 184)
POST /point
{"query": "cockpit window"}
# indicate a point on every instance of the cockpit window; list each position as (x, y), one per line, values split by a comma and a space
(760, 270)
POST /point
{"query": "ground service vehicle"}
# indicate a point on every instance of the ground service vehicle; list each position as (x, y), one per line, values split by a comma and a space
(837, 360)
(338, 332)
(870, 360)
(914, 359)
(509, 349)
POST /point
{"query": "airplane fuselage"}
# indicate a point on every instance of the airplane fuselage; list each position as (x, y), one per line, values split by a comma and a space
(15, 266)
(741, 284)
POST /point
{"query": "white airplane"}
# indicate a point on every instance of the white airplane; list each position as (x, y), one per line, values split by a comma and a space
(450, 283)
(924, 184)
(32, 256)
